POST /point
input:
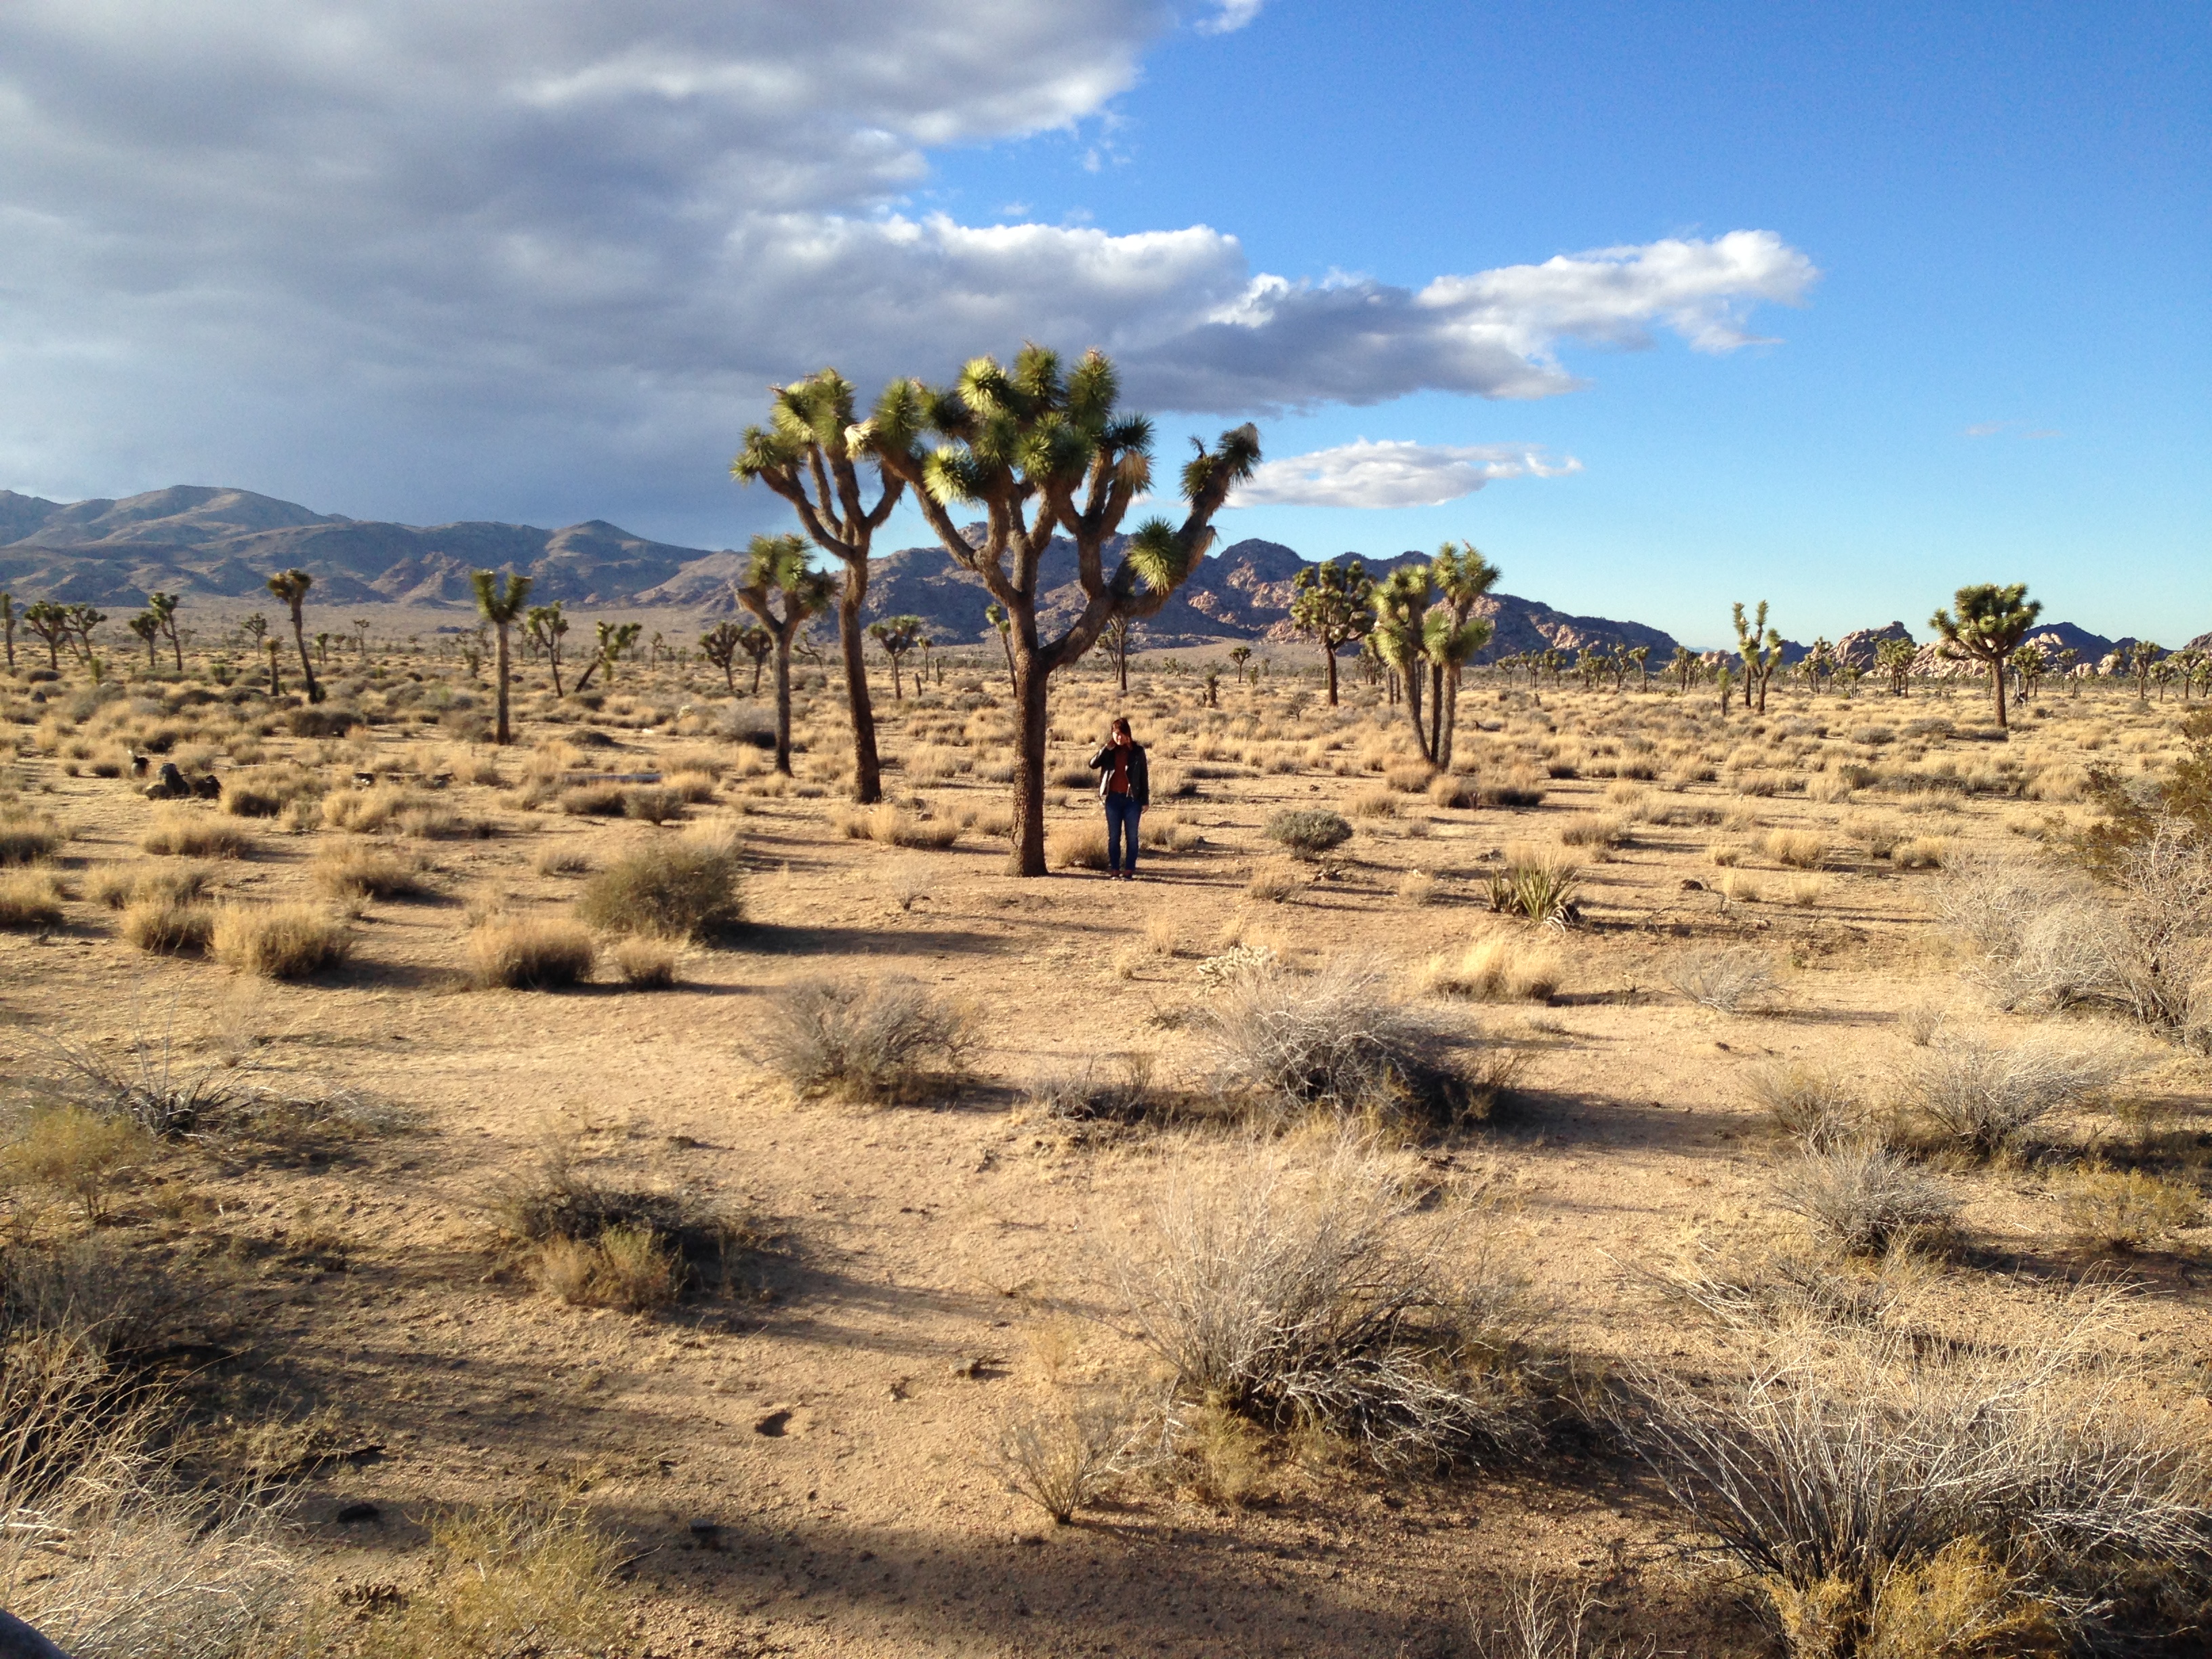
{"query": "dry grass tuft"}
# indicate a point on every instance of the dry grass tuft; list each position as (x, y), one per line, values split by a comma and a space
(1732, 981)
(27, 838)
(180, 832)
(2125, 1209)
(1076, 846)
(1979, 1097)
(1064, 1450)
(646, 964)
(1861, 1198)
(279, 941)
(1497, 968)
(358, 869)
(682, 888)
(539, 954)
(507, 1581)
(880, 1040)
(167, 927)
(30, 899)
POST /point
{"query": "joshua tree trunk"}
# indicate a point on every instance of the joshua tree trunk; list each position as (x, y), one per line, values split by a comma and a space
(783, 700)
(503, 736)
(1997, 688)
(1328, 668)
(867, 768)
(1032, 685)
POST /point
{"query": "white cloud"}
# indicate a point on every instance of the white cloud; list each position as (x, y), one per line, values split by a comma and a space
(542, 256)
(1229, 15)
(1392, 473)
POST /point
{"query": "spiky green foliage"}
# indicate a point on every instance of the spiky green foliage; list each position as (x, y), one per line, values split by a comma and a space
(291, 586)
(546, 627)
(782, 590)
(1990, 622)
(896, 635)
(1334, 605)
(501, 599)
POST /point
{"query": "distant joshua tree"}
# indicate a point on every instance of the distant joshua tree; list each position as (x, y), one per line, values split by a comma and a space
(52, 624)
(1117, 636)
(1760, 648)
(758, 644)
(781, 590)
(1334, 605)
(8, 626)
(1895, 659)
(1240, 655)
(148, 626)
(1683, 665)
(546, 627)
(719, 645)
(501, 604)
(1990, 622)
(614, 639)
(896, 635)
(291, 586)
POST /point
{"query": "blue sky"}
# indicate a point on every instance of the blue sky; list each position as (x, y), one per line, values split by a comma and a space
(536, 260)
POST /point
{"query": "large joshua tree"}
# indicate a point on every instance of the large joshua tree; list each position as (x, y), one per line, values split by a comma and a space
(502, 601)
(1332, 604)
(1040, 450)
(1990, 622)
(291, 586)
(1760, 648)
(812, 452)
(783, 591)
(1463, 577)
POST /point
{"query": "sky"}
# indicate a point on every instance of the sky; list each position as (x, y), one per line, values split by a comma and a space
(1661, 306)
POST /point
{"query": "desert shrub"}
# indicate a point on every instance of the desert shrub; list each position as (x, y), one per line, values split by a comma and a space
(696, 785)
(1329, 1297)
(1536, 888)
(1273, 881)
(536, 954)
(1593, 829)
(1062, 1451)
(1339, 1040)
(30, 899)
(1076, 846)
(1843, 1468)
(1498, 968)
(2125, 1209)
(27, 838)
(1523, 789)
(1417, 887)
(1980, 1097)
(78, 1153)
(1085, 1094)
(678, 887)
(560, 860)
(646, 964)
(1308, 832)
(1921, 853)
(1378, 802)
(1800, 849)
(182, 833)
(881, 1039)
(1729, 981)
(365, 809)
(1449, 790)
(507, 1581)
(1409, 777)
(893, 826)
(322, 721)
(278, 941)
(1861, 1198)
(364, 870)
(167, 927)
(1815, 1109)
(654, 803)
(625, 1267)
(601, 801)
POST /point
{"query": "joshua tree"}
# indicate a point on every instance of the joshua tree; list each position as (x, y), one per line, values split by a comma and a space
(1990, 622)
(148, 626)
(756, 643)
(1761, 647)
(163, 607)
(291, 586)
(8, 626)
(1683, 665)
(52, 624)
(276, 685)
(898, 636)
(719, 644)
(82, 620)
(546, 627)
(614, 639)
(1895, 657)
(1402, 607)
(2141, 656)
(1238, 656)
(2068, 660)
(1037, 449)
(1334, 605)
(360, 637)
(1724, 678)
(812, 452)
(501, 600)
(2028, 666)
(1641, 656)
(1212, 677)
(1115, 637)
(777, 576)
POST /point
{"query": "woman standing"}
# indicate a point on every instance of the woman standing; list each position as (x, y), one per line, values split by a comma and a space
(1126, 787)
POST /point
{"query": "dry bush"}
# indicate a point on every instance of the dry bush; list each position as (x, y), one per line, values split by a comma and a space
(1308, 832)
(180, 832)
(508, 1581)
(1522, 787)
(1729, 981)
(359, 869)
(894, 826)
(1849, 1460)
(1814, 1108)
(1498, 968)
(881, 1039)
(82, 1153)
(694, 785)
(1978, 1097)
(1329, 1295)
(278, 941)
(537, 954)
(2125, 1209)
(1079, 846)
(364, 810)
(1861, 1198)
(1377, 802)
(30, 899)
(1409, 777)
(680, 888)
(1417, 887)
(1162, 934)
(1084, 1095)
(1273, 880)
(167, 927)
(1918, 1022)
(1062, 1451)
(625, 1267)
(1339, 1040)
(599, 800)
(1921, 853)
(1595, 830)
(1800, 849)
(27, 837)
(560, 860)
(653, 803)
(1538, 1624)
(646, 964)
(1449, 790)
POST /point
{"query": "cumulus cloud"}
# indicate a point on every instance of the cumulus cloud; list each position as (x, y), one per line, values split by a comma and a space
(1392, 473)
(542, 256)
(1229, 16)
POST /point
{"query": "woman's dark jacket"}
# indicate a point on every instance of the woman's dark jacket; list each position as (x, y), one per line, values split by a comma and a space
(1141, 778)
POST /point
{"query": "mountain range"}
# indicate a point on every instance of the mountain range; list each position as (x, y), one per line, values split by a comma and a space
(215, 543)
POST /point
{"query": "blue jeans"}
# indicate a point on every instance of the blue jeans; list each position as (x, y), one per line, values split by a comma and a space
(1121, 815)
